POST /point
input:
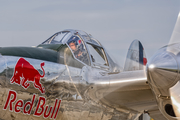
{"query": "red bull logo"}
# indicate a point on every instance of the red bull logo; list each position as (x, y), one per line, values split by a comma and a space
(18, 105)
(24, 73)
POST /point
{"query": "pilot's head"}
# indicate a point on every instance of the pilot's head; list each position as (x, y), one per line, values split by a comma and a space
(72, 45)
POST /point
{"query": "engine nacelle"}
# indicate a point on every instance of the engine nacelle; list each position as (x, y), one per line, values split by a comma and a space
(163, 77)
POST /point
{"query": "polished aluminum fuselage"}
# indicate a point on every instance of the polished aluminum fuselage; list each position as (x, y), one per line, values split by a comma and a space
(85, 93)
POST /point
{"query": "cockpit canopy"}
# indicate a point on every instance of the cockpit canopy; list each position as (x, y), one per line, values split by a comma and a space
(63, 36)
(83, 47)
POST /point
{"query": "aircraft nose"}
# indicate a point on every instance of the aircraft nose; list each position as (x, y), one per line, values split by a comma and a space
(162, 69)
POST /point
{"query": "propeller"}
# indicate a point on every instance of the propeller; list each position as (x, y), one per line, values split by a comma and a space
(175, 49)
(163, 73)
(175, 37)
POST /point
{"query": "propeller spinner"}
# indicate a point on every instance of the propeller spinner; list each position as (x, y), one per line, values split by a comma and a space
(163, 75)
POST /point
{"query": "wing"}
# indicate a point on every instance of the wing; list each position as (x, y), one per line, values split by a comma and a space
(128, 91)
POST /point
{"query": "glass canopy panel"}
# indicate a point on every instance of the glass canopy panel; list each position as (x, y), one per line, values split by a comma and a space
(58, 38)
(97, 55)
(88, 38)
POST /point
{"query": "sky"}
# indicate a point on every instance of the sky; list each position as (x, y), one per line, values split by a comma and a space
(115, 23)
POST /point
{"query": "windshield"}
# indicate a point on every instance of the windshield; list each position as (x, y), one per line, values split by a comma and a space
(97, 55)
(58, 38)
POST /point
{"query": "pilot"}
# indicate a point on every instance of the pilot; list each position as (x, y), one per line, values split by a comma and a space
(77, 47)
(73, 47)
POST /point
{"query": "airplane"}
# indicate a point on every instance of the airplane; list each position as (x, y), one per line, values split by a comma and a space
(70, 76)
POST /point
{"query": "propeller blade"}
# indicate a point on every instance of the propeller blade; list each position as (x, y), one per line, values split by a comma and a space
(173, 45)
(175, 98)
(175, 37)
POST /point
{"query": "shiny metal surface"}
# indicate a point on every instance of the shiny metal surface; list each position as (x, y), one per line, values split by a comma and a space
(136, 58)
(163, 69)
(127, 85)
(73, 90)
(37, 84)
(175, 98)
(85, 93)
(163, 76)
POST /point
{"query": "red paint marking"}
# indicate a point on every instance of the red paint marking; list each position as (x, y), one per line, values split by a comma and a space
(57, 109)
(11, 101)
(144, 61)
(47, 115)
(39, 110)
(40, 105)
(24, 72)
(30, 104)
(54, 108)
(17, 105)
